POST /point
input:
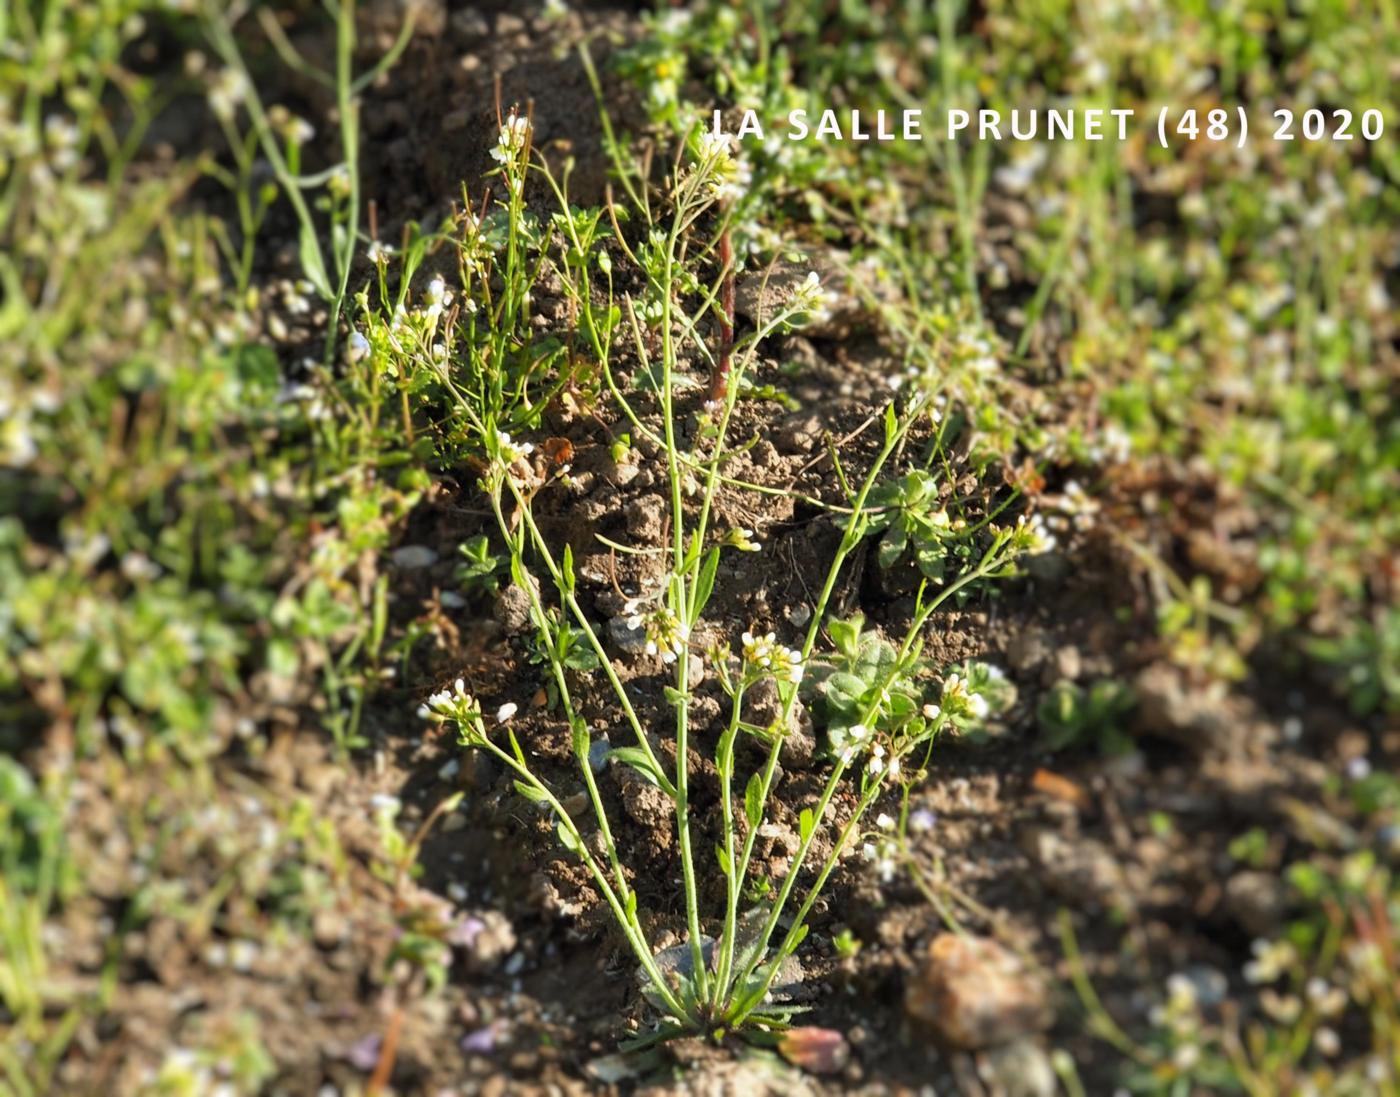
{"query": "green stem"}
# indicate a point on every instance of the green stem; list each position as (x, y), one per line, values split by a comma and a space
(634, 937)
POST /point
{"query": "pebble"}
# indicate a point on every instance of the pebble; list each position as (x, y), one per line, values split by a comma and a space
(1194, 717)
(1019, 1068)
(815, 1050)
(1258, 901)
(413, 557)
(1077, 868)
(973, 993)
(512, 610)
(625, 637)
(329, 927)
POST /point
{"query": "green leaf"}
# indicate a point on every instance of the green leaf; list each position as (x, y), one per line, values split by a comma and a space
(637, 759)
(566, 837)
(582, 740)
(566, 572)
(722, 855)
(530, 792)
(312, 265)
(892, 546)
(891, 424)
(705, 581)
(844, 690)
(753, 800)
(806, 822)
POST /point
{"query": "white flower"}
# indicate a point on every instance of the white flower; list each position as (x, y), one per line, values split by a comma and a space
(226, 93)
(884, 821)
(1271, 960)
(437, 292)
(810, 298)
(506, 711)
(357, 348)
(849, 742)
(514, 132)
(378, 253)
(449, 704)
(512, 452)
(1032, 536)
(741, 539)
(876, 765)
(726, 175)
(766, 654)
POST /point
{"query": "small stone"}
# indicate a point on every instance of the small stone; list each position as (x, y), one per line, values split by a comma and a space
(1027, 650)
(625, 636)
(508, 23)
(413, 557)
(329, 928)
(973, 993)
(1019, 1069)
(1081, 869)
(512, 610)
(1258, 901)
(815, 1050)
(646, 518)
(1197, 717)
(469, 23)
(800, 433)
(489, 939)
(1069, 663)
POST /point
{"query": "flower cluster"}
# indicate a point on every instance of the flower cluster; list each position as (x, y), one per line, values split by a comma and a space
(1031, 536)
(741, 539)
(510, 143)
(460, 707)
(971, 693)
(766, 656)
(726, 176)
(810, 302)
(882, 850)
(509, 452)
(664, 634)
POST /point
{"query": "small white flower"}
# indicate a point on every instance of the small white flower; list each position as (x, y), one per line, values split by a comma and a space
(514, 131)
(876, 765)
(512, 452)
(884, 821)
(741, 539)
(506, 711)
(357, 348)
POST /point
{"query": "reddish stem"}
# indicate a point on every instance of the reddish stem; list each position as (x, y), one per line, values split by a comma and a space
(719, 378)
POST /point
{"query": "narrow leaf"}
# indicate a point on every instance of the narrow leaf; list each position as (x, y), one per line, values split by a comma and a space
(529, 792)
(312, 265)
(566, 837)
(705, 581)
(753, 800)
